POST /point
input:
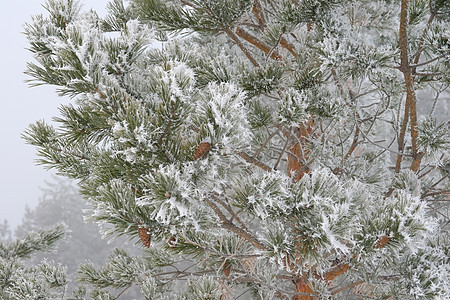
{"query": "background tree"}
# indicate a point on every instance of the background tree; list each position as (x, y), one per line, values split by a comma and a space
(272, 148)
(61, 204)
(5, 231)
(19, 281)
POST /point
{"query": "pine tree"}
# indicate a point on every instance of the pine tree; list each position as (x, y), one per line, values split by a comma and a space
(269, 149)
(19, 281)
(5, 231)
(61, 203)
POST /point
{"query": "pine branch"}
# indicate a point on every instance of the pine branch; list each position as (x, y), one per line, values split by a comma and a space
(353, 145)
(285, 44)
(232, 213)
(420, 47)
(113, 143)
(257, 43)
(227, 224)
(261, 148)
(410, 103)
(43, 240)
(241, 46)
(253, 161)
(258, 13)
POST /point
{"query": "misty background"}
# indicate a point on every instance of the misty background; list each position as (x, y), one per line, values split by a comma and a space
(20, 179)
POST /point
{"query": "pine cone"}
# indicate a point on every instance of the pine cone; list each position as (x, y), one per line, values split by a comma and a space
(202, 150)
(171, 242)
(227, 271)
(383, 241)
(144, 236)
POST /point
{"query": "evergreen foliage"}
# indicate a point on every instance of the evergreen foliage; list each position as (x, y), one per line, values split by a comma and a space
(271, 148)
(43, 281)
(61, 203)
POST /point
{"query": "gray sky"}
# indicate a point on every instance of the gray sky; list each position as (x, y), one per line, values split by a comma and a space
(20, 178)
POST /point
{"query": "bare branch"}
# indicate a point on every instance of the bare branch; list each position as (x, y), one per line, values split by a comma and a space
(428, 74)
(257, 43)
(232, 213)
(427, 62)
(285, 44)
(259, 150)
(227, 224)
(420, 47)
(241, 46)
(410, 103)
(281, 154)
(257, 11)
(255, 162)
(354, 144)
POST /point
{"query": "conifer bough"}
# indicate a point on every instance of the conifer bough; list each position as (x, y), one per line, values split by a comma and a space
(321, 177)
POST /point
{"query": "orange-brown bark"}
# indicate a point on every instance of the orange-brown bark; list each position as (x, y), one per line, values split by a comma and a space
(257, 43)
(238, 42)
(304, 290)
(285, 44)
(410, 113)
(226, 271)
(297, 157)
(257, 11)
(299, 151)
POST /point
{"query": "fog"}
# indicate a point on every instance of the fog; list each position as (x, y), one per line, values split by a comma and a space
(21, 105)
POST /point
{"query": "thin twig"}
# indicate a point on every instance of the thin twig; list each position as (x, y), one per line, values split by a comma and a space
(241, 46)
(260, 149)
(253, 161)
(124, 291)
(354, 144)
(442, 192)
(257, 43)
(420, 47)
(350, 286)
(233, 214)
(233, 228)
(438, 93)
(428, 74)
(281, 154)
(427, 62)
(257, 11)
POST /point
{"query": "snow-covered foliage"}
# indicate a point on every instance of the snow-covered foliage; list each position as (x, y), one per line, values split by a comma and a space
(268, 149)
(21, 282)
